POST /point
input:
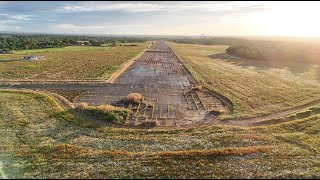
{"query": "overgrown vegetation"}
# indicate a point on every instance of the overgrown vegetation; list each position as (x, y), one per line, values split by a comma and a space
(106, 112)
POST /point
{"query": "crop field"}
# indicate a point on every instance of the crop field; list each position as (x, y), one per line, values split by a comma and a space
(41, 140)
(254, 87)
(69, 63)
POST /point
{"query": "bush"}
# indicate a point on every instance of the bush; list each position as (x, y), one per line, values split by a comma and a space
(150, 124)
(106, 112)
(245, 51)
(113, 117)
(218, 110)
(135, 98)
(83, 106)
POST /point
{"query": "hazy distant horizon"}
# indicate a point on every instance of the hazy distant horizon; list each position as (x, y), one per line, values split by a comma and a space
(161, 35)
(154, 18)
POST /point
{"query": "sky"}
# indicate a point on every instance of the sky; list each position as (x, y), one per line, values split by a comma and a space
(211, 18)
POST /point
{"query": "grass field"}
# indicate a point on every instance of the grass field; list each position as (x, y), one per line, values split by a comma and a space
(40, 140)
(255, 87)
(69, 63)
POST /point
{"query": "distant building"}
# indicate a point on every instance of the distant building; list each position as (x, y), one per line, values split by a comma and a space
(32, 57)
(83, 43)
(3, 51)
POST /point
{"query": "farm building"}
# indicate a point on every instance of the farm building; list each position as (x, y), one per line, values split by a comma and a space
(82, 43)
(32, 57)
(3, 51)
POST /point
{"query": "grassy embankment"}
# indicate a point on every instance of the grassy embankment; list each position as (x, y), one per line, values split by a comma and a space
(40, 140)
(255, 87)
(68, 63)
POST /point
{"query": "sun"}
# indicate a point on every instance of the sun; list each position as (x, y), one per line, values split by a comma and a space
(289, 19)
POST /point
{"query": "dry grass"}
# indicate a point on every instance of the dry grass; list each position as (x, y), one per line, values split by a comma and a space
(38, 141)
(254, 87)
(197, 87)
(135, 98)
(106, 108)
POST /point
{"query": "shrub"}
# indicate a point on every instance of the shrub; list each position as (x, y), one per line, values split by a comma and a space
(135, 97)
(150, 124)
(218, 110)
(113, 117)
(107, 112)
(83, 106)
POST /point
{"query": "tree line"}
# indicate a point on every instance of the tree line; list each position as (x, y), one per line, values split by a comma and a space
(25, 41)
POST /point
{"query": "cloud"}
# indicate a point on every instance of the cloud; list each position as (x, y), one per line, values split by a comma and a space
(130, 7)
(77, 27)
(23, 17)
(4, 25)
(163, 7)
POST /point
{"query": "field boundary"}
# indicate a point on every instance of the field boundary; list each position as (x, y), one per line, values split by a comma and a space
(187, 71)
(59, 99)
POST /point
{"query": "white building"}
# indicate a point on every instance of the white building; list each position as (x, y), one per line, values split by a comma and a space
(32, 57)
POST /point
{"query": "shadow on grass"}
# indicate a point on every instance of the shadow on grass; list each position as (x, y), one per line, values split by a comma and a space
(294, 67)
(8, 61)
(73, 116)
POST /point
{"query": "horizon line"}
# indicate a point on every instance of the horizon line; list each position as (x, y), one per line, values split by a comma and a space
(200, 35)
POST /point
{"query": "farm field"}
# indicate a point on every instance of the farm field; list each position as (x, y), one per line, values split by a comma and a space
(254, 87)
(69, 63)
(170, 96)
(41, 140)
